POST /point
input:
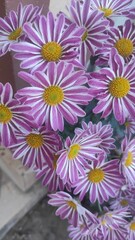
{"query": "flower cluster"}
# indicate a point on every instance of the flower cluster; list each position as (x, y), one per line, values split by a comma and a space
(73, 124)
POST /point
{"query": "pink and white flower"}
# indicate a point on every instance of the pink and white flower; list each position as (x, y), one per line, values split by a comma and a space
(56, 94)
(114, 88)
(50, 41)
(11, 27)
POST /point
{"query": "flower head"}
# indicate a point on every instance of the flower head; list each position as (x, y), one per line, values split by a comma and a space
(131, 229)
(114, 88)
(35, 147)
(11, 27)
(104, 132)
(129, 127)
(69, 208)
(127, 164)
(73, 158)
(122, 38)
(50, 41)
(102, 180)
(13, 116)
(55, 94)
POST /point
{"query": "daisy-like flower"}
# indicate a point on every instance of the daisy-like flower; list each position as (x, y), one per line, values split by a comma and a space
(50, 41)
(11, 27)
(114, 88)
(102, 180)
(129, 127)
(113, 8)
(104, 132)
(93, 24)
(121, 38)
(13, 116)
(123, 201)
(69, 208)
(36, 147)
(127, 163)
(131, 230)
(73, 158)
(55, 94)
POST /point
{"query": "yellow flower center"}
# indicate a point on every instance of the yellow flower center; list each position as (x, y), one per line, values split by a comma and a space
(124, 47)
(15, 34)
(71, 204)
(34, 140)
(84, 36)
(129, 159)
(53, 95)
(5, 114)
(51, 51)
(124, 203)
(73, 151)
(55, 161)
(107, 11)
(96, 175)
(127, 124)
(132, 226)
(119, 87)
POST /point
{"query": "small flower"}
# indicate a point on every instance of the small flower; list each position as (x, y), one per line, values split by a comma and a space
(113, 8)
(55, 95)
(114, 88)
(72, 159)
(50, 41)
(123, 201)
(122, 39)
(13, 116)
(129, 127)
(93, 24)
(104, 132)
(36, 147)
(102, 180)
(131, 230)
(11, 27)
(127, 164)
(69, 208)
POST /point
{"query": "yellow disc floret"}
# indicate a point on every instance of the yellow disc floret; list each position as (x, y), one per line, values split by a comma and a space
(124, 47)
(51, 51)
(96, 175)
(132, 226)
(71, 204)
(73, 151)
(119, 87)
(107, 11)
(53, 95)
(129, 159)
(124, 203)
(5, 114)
(34, 140)
(15, 34)
(84, 36)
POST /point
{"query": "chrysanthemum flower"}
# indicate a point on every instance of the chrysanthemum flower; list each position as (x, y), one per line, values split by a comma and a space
(114, 88)
(102, 180)
(127, 164)
(123, 201)
(13, 116)
(93, 24)
(113, 8)
(55, 94)
(104, 132)
(69, 208)
(11, 27)
(131, 230)
(36, 147)
(121, 38)
(73, 158)
(50, 41)
(129, 127)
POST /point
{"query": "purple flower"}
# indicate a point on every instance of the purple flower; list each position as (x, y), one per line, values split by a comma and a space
(13, 116)
(36, 147)
(50, 41)
(131, 229)
(11, 27)
(114, 88)
(69, 208)
(102, 180)
(55, 95)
